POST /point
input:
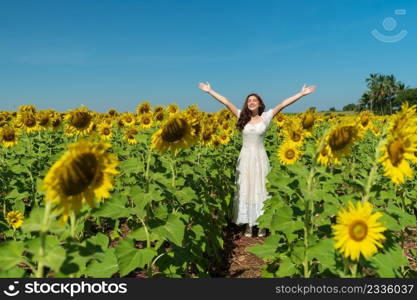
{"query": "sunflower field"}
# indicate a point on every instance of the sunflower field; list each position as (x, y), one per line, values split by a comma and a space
(149, 193)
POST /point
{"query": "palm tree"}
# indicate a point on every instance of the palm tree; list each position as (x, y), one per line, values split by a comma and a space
(364, 101)
(382, 90)
(371, 84)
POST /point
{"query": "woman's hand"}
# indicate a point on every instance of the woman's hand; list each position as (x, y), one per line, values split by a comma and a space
(305, 90)
(205, 86)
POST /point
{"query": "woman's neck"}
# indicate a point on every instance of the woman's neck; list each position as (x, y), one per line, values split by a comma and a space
(254, 113)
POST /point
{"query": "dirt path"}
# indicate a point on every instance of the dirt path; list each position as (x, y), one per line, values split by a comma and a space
(237, 262)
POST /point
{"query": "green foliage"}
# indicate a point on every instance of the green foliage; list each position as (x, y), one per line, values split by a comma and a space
(165, 216)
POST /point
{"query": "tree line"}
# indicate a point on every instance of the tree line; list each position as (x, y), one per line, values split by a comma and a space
(384, 95)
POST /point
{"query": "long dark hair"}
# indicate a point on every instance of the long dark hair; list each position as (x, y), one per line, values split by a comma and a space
(245, 114)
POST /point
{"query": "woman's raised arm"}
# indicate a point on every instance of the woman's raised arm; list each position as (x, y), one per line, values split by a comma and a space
(305, 90)
(207, 88)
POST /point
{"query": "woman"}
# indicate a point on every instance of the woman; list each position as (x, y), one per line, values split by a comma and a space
(253, 164)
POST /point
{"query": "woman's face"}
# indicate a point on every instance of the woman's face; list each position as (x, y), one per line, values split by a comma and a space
(253, 103)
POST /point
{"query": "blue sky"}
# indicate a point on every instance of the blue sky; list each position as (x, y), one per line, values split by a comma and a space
(116, 54)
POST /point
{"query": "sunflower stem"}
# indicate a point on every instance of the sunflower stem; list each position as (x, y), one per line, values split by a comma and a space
(42, 235)
(373, 172)
(72, 222)
(148, 161)
(148, 245)
(308, 221)
(353, 269)
(173, 171)
(309, 209)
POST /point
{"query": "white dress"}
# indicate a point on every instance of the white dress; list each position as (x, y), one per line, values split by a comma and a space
(251, 171)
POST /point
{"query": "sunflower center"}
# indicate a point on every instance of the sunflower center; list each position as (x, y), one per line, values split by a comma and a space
(146, 121)
(396, 152)
(197, 128)
(308, 121)
(144, 110)
(323, 151)
(56, 122)
(206, 135)
(358, 230)
(44, 120)
(340, 138)
(29, 120)
(174, 130)
(364, 122)
(280, 118)
(106, 131)
(79, 174)
(81, 120)
(290, 154)
(296, 137)
(9, 135)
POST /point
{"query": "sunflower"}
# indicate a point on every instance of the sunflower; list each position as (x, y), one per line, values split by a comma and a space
(216, 142)
(357, 231)
(364, 120)
(56, 121)
(288, 153)
(323, 157)
(195, 127)
(44, 119)
(27, 121)
(394, 155)
(27, 108)
(143, 108)
(175, 134)
(128, 119)
(120, 123)
(159, 117)
(158, 108)
(404, 122)
(105, 131)
(130, 135)
(400, 145)
(172, 109)
(8, 136)
(108, 121)
(376, 130)
(280, 119)
(340, 140)
(79, 122)
(207, 136)
(294, 133)
(224, 137)
(82, 174)
(15, 219)
(145, 120)
(308, 121)
(112, 113)
(3, 118)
